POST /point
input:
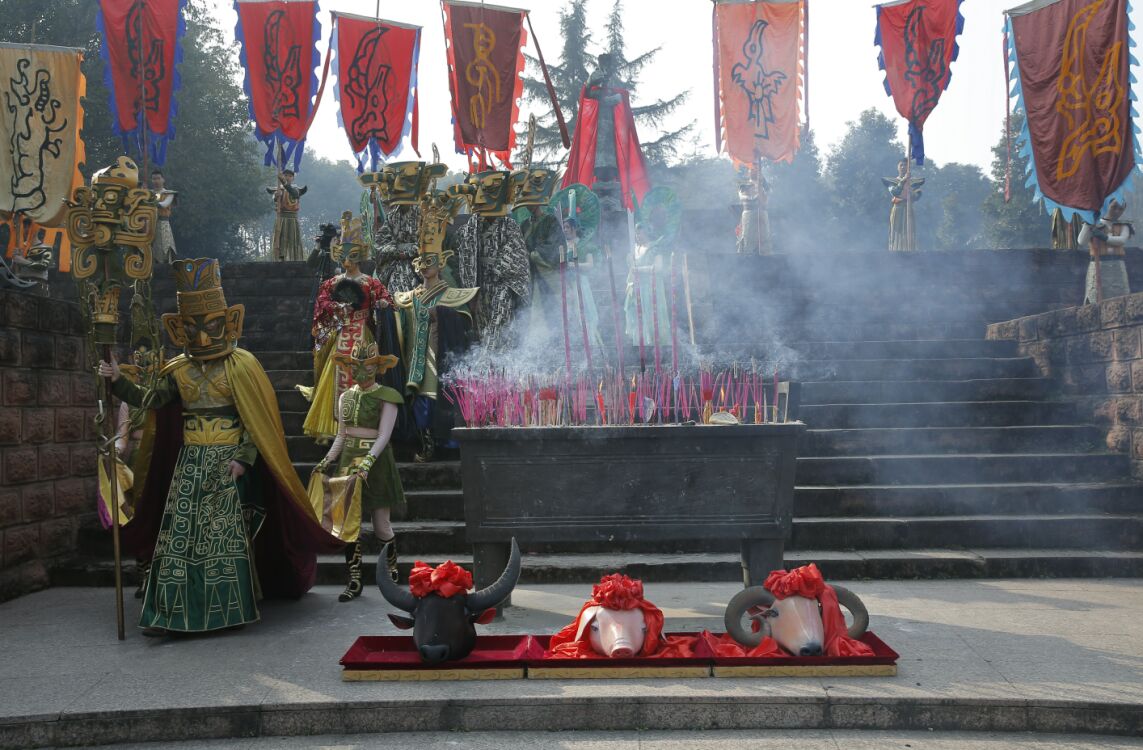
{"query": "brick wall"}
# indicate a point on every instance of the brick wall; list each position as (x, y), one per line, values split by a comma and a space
(47, 449)
(1095, 354)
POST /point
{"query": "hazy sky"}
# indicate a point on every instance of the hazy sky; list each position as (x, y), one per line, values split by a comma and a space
(843, 74)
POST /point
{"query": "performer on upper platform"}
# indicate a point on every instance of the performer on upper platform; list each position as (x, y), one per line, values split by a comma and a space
(547, 248)
(343, 315)
(1106, 241)
(364, 477)
(286, 243)
(493, 255)
(902, 223)
(163, 247)
(220, 491)
(403, 184)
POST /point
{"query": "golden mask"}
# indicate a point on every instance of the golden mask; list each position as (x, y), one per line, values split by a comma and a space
(350, 244)
(204, 327)
(533, 187)
(489, 193)
(113, 211)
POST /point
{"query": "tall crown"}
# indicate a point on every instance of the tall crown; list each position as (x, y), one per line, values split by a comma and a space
(351, 244)
(198, 286)
(437, 210)
(534, 186)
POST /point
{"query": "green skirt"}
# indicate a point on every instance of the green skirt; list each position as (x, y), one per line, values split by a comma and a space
(202, 575)
(382, 488)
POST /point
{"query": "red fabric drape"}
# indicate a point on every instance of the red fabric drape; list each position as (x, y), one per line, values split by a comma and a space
(1072, 57)
(375, 70)
(807, 582)
(760, 63)
(485, 47)
(633, 176)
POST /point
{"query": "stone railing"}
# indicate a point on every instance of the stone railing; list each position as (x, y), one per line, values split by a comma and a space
(1095, 354)
(47, 449)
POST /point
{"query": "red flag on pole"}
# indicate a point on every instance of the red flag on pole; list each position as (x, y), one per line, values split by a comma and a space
(485, 59)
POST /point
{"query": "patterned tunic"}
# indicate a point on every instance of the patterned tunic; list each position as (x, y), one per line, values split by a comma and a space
(397, 246)
(494, 257)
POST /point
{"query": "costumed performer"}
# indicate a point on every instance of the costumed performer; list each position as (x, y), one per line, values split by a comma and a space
(221, 508)
(644, 299)
(754, 225)
(286, 243)
(1065, 234)
(902, 223)
(403, 184)
(359, 474)
(1106, 241)
(544, 237)
(493, 256)
(163, 246)
(343, 315)
(434, 327)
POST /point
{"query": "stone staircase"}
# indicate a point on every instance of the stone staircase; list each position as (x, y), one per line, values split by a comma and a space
(931, 452)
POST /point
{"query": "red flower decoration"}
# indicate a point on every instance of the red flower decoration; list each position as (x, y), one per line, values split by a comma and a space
(617, 591)
(805, 581)
(447, 579)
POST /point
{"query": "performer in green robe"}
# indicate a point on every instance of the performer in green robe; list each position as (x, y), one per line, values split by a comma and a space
(286, 243)
(222, 485)
(364, 477)
(902, 223)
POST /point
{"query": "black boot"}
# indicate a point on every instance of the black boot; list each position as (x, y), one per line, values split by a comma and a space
(143, 570)
(391, 557)
(353, 560)
(428, 447)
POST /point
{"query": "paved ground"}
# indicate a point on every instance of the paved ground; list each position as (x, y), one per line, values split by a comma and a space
(758, 740)
(1019, 644)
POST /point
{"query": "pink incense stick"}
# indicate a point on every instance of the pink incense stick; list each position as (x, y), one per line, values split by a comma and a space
(674, 316)
(655, 321)
(639, 320)
(564, 303)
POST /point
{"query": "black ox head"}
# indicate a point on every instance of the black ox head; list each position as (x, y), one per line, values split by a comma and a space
(444, 627)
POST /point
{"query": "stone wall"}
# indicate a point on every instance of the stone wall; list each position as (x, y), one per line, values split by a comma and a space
(1095, 354)
(47, 449)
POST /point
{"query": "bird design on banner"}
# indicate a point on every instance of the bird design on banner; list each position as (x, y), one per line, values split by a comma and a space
(368, 81)
(1091, 110)
(926, 74)
(283, 71)
(151, 71)
(759, 84)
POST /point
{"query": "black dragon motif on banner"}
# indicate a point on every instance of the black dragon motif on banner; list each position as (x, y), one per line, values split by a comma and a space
(926, 74)
(283, 66)
(760, 85)
(35, 119)
(368, 83)
(148, 61)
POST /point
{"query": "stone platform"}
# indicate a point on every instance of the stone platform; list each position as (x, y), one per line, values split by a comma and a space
(1060, 656)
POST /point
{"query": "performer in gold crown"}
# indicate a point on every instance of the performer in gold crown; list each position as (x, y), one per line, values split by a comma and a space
(364, 473)
(434, 325)
(402, 185)
(343, 316)
(222, 486)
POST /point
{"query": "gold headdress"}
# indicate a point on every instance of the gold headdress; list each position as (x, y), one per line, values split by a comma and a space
(113, 210)
(488, 193)
(534, 187)
(437, 210)
(351, 244)
(204, 327)
(404, 183)
(365, 354)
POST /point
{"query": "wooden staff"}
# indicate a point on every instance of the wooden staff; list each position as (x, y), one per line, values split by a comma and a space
(687, 296)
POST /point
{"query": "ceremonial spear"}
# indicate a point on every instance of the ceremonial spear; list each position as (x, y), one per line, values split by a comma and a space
(111, 224)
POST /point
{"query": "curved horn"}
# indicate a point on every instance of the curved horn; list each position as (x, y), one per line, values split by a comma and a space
(394, 594)
(490, 596)
(739, 604)
(853, 603)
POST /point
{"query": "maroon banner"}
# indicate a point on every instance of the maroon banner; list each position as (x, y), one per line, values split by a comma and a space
(485, 58)
(376, 71)
(1073, 74)
(140, 50)
(279, 54)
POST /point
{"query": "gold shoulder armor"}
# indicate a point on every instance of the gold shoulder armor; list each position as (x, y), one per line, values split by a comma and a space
(403, 299)
(173, 364)
(457, 297)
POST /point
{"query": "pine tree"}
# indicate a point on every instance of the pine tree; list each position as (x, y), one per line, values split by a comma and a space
(1019, 222)
(572, 71)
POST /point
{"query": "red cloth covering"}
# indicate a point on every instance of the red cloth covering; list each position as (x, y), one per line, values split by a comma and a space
(807, 582)
(328, 315)
(633, 176)
(724, 645)
(447, 579)
(617, 591)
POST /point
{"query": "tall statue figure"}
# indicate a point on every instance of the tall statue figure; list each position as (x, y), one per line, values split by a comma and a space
(286, 243)
(221, 503)
(435, 326)
(1107, 271)
(363, 473)
(902, 224)
(402, 186)
(343, 316)
(493, 256)
(163, 246)
(754, 225)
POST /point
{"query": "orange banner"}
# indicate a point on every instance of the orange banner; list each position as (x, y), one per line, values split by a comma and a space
(760, 62)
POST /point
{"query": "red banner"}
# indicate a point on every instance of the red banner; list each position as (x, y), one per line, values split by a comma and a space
(376, 75)
(141, 50)
(485, 59)
(1073, 77)
(760, 64)
(918, 44)
(279, 54)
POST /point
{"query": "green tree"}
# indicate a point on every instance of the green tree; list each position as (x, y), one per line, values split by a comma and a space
(798, 192)
(576, 64)
(960, 191)
(1019, 222)
(213, 162)
(867, 152)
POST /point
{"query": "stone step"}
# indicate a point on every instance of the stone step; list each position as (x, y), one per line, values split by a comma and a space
(285, 380)
(928, 563)
(437, 475)
(878, 441)
(937, 414)
(965, 368)
(1021, 498)
(914, 391)
(972, 347)
(960, 468)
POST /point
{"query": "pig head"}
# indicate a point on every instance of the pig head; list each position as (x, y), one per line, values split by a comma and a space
(617, 633)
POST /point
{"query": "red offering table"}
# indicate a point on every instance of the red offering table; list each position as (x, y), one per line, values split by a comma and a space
(883, 663)
(540, 668)
(394, 657)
